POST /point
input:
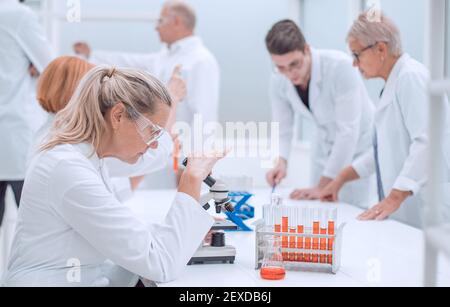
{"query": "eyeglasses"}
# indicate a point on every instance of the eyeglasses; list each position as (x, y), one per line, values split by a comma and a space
(357, 55)
(295, 65)
(149, 131)
(163, 20)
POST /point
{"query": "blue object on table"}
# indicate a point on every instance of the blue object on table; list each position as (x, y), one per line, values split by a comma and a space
(242, 210)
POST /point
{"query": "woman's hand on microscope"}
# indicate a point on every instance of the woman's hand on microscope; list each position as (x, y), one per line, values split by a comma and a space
(198, 169)
(202, 165)
(208, 238)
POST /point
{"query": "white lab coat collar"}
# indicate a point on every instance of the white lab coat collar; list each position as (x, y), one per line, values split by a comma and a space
(89, 152)
(315, 84)
(390, 86)
(185, 43)
(292, 95)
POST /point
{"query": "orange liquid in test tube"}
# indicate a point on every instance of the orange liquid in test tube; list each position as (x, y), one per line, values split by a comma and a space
(307, 256)
(293, 230)
(277, 227)
(307, 221)
(330, 241)
(316, 231)
(292, 255)
(331, 232)
(323, 231)
(285, 228)
(301, 214)
(175, 155)
(300, 229)
(175, 164)
(323, 245)
(277, 219)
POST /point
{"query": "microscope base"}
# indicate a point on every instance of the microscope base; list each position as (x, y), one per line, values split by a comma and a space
(210, 254)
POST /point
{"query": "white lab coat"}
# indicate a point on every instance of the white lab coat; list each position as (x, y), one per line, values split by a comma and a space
(152, 161)
(69, 217)
(401, 123)
(342, 112)
(22, 42)
(200, 70)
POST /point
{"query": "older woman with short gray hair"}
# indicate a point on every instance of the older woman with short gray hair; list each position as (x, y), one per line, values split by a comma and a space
(401, 122)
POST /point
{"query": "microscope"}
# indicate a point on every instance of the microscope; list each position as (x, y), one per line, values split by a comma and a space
(217, 251)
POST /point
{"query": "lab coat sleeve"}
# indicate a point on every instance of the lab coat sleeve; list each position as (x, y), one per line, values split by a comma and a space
(412, 98)
(348, 107)
(31, 38)
(364, 166)
(152, 161)
(158, 252)
(122, 59)
(283, 114)
(203, 87)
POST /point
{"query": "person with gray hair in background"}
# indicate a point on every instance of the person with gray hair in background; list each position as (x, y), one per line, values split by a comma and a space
(199, 67)
(400, 146)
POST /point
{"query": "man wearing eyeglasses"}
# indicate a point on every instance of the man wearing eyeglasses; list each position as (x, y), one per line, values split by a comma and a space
(199, 68)
(320, 85)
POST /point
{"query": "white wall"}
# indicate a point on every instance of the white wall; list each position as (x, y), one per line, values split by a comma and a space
(234, 30)
(325, 24)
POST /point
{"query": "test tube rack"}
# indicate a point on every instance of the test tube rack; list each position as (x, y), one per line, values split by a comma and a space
(261, 230)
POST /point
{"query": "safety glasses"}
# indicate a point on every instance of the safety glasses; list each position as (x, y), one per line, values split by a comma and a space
(149, 131)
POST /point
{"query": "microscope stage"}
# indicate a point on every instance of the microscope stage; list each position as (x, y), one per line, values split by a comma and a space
(211, 254)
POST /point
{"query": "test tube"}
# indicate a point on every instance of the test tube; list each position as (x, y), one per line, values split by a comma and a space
(323, 231)
(332, 218)
(267, 217)
(276, 212)
(285, 229)
(175, 157)
(308, 228)
(292, 229)
(300, 229)
(316, 231)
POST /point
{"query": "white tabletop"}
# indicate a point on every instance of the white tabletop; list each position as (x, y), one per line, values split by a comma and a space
(385, 253)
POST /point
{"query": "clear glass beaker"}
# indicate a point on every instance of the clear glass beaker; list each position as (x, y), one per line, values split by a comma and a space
(272, 266)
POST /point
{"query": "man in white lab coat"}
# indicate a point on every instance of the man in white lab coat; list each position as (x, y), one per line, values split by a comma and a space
(200, 69)
(23, 49)
(323, 86)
